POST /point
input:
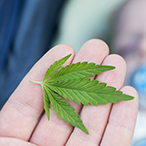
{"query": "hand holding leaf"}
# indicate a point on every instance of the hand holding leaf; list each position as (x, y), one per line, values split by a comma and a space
(73, 82)
(23, 122)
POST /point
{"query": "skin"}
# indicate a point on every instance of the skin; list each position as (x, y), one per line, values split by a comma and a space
(111, 124)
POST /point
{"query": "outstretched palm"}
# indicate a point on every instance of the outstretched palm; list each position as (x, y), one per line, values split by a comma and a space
(23, 122)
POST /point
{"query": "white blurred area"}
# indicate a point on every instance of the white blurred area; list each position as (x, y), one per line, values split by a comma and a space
(140, 129)
(82, 20)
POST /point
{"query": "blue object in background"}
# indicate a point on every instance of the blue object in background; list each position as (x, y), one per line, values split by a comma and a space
(141, 142)
(27, 30)
(10, 11)
(138, 81)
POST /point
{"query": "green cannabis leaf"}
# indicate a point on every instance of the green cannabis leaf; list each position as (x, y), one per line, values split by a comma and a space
(65, 111)
(74, 82)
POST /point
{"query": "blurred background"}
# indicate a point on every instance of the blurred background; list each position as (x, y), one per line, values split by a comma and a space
(29, 28)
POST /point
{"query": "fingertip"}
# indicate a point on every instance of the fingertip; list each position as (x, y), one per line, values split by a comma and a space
(132, 92)
(93, 50)
(116, 76)
(96, 44)
(115, 59)
(58, 52)
(63, 48)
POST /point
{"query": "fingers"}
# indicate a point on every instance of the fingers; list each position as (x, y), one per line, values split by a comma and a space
(95, 117)
(121, 124)
(23, 109)
(57, 130)
(20, 115)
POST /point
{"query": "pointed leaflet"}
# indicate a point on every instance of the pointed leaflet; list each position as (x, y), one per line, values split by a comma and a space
(55, 66)
(86, 91)
(65, 111)
(79, 70)
(46, 103)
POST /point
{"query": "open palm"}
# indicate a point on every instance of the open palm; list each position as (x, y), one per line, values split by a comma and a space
(23, 121)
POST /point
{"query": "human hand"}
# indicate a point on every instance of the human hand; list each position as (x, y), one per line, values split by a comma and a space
(111, 124)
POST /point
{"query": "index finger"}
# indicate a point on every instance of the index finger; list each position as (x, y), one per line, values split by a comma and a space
(20, 114)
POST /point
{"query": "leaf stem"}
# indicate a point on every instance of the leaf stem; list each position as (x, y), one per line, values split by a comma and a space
(36, 82)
